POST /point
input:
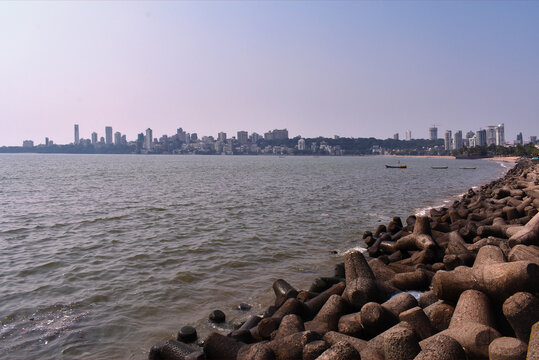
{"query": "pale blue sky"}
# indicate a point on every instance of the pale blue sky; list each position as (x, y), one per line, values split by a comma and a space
(346, 68)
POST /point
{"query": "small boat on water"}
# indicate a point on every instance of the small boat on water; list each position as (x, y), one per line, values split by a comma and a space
(467, 167)
(398, 166)
(439, 167)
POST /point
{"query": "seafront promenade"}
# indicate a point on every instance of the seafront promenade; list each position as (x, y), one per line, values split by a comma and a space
(460, 283)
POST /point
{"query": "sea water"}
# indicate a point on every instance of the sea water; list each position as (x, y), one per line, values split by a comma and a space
(104, 255)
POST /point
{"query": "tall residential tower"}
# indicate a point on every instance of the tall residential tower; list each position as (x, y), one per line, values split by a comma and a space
(108, 135)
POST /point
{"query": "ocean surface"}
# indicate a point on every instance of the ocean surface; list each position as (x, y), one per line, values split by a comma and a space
(104, 255)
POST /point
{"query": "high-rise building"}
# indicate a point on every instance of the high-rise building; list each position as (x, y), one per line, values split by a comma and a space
(396, 136)
(500, 135)
(491, 135)
(148, 139)
(108, 135)
(194, 137)
(480, 137)
(408, 135)
(472, 142)
(447, 140)
(301, 144)
(94, 138)
(77, 141)
(433, 133)
(470, 134)
(182, 135)
(520, 140)
(255, 137)
(221, 136)
(46, 141)
(243, 137)
(117, 138)
(280, 134)
(533, 139)
(457, 140)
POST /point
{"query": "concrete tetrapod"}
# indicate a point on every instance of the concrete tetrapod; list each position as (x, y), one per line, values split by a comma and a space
(528, 235)
(360, 281)
(340, 351)
(441, 347)
(327, 318)
(314, 349)
(522, 311)
(421, 238)
(471, 324)
(499, 280)
(507, 348)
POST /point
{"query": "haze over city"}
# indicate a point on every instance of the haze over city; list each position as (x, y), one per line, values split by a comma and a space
(357, 69)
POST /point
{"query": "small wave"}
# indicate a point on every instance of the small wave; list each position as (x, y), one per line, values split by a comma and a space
(187, 277)
(138, 257)
(38, 268)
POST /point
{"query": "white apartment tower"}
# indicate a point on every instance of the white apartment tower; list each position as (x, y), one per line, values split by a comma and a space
(148, 139)
(408, 135)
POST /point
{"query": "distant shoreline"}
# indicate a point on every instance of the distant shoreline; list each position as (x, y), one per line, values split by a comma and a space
(420, 156)
(509, 159)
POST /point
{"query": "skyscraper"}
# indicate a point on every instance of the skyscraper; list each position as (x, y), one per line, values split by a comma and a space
(108, 135)
(255, 137)
(447, 140)
(433, 133)
(457, 140)
(182, 135)
(396, 136)
(221, 136)
(148, 139)
(76, 134)
(408, 135)
(500, 135)
(491, 135)
(481, 137)
(117, 138)
(243, 137)
(520, 139)
(94, 138)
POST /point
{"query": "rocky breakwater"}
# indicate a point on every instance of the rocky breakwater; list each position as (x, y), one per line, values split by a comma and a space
(476, 264)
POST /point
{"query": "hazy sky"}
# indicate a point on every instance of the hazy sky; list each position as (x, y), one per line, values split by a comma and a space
(357, 69)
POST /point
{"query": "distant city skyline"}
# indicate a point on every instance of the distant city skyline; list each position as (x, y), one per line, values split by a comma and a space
(492, 134)
(352, 69)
